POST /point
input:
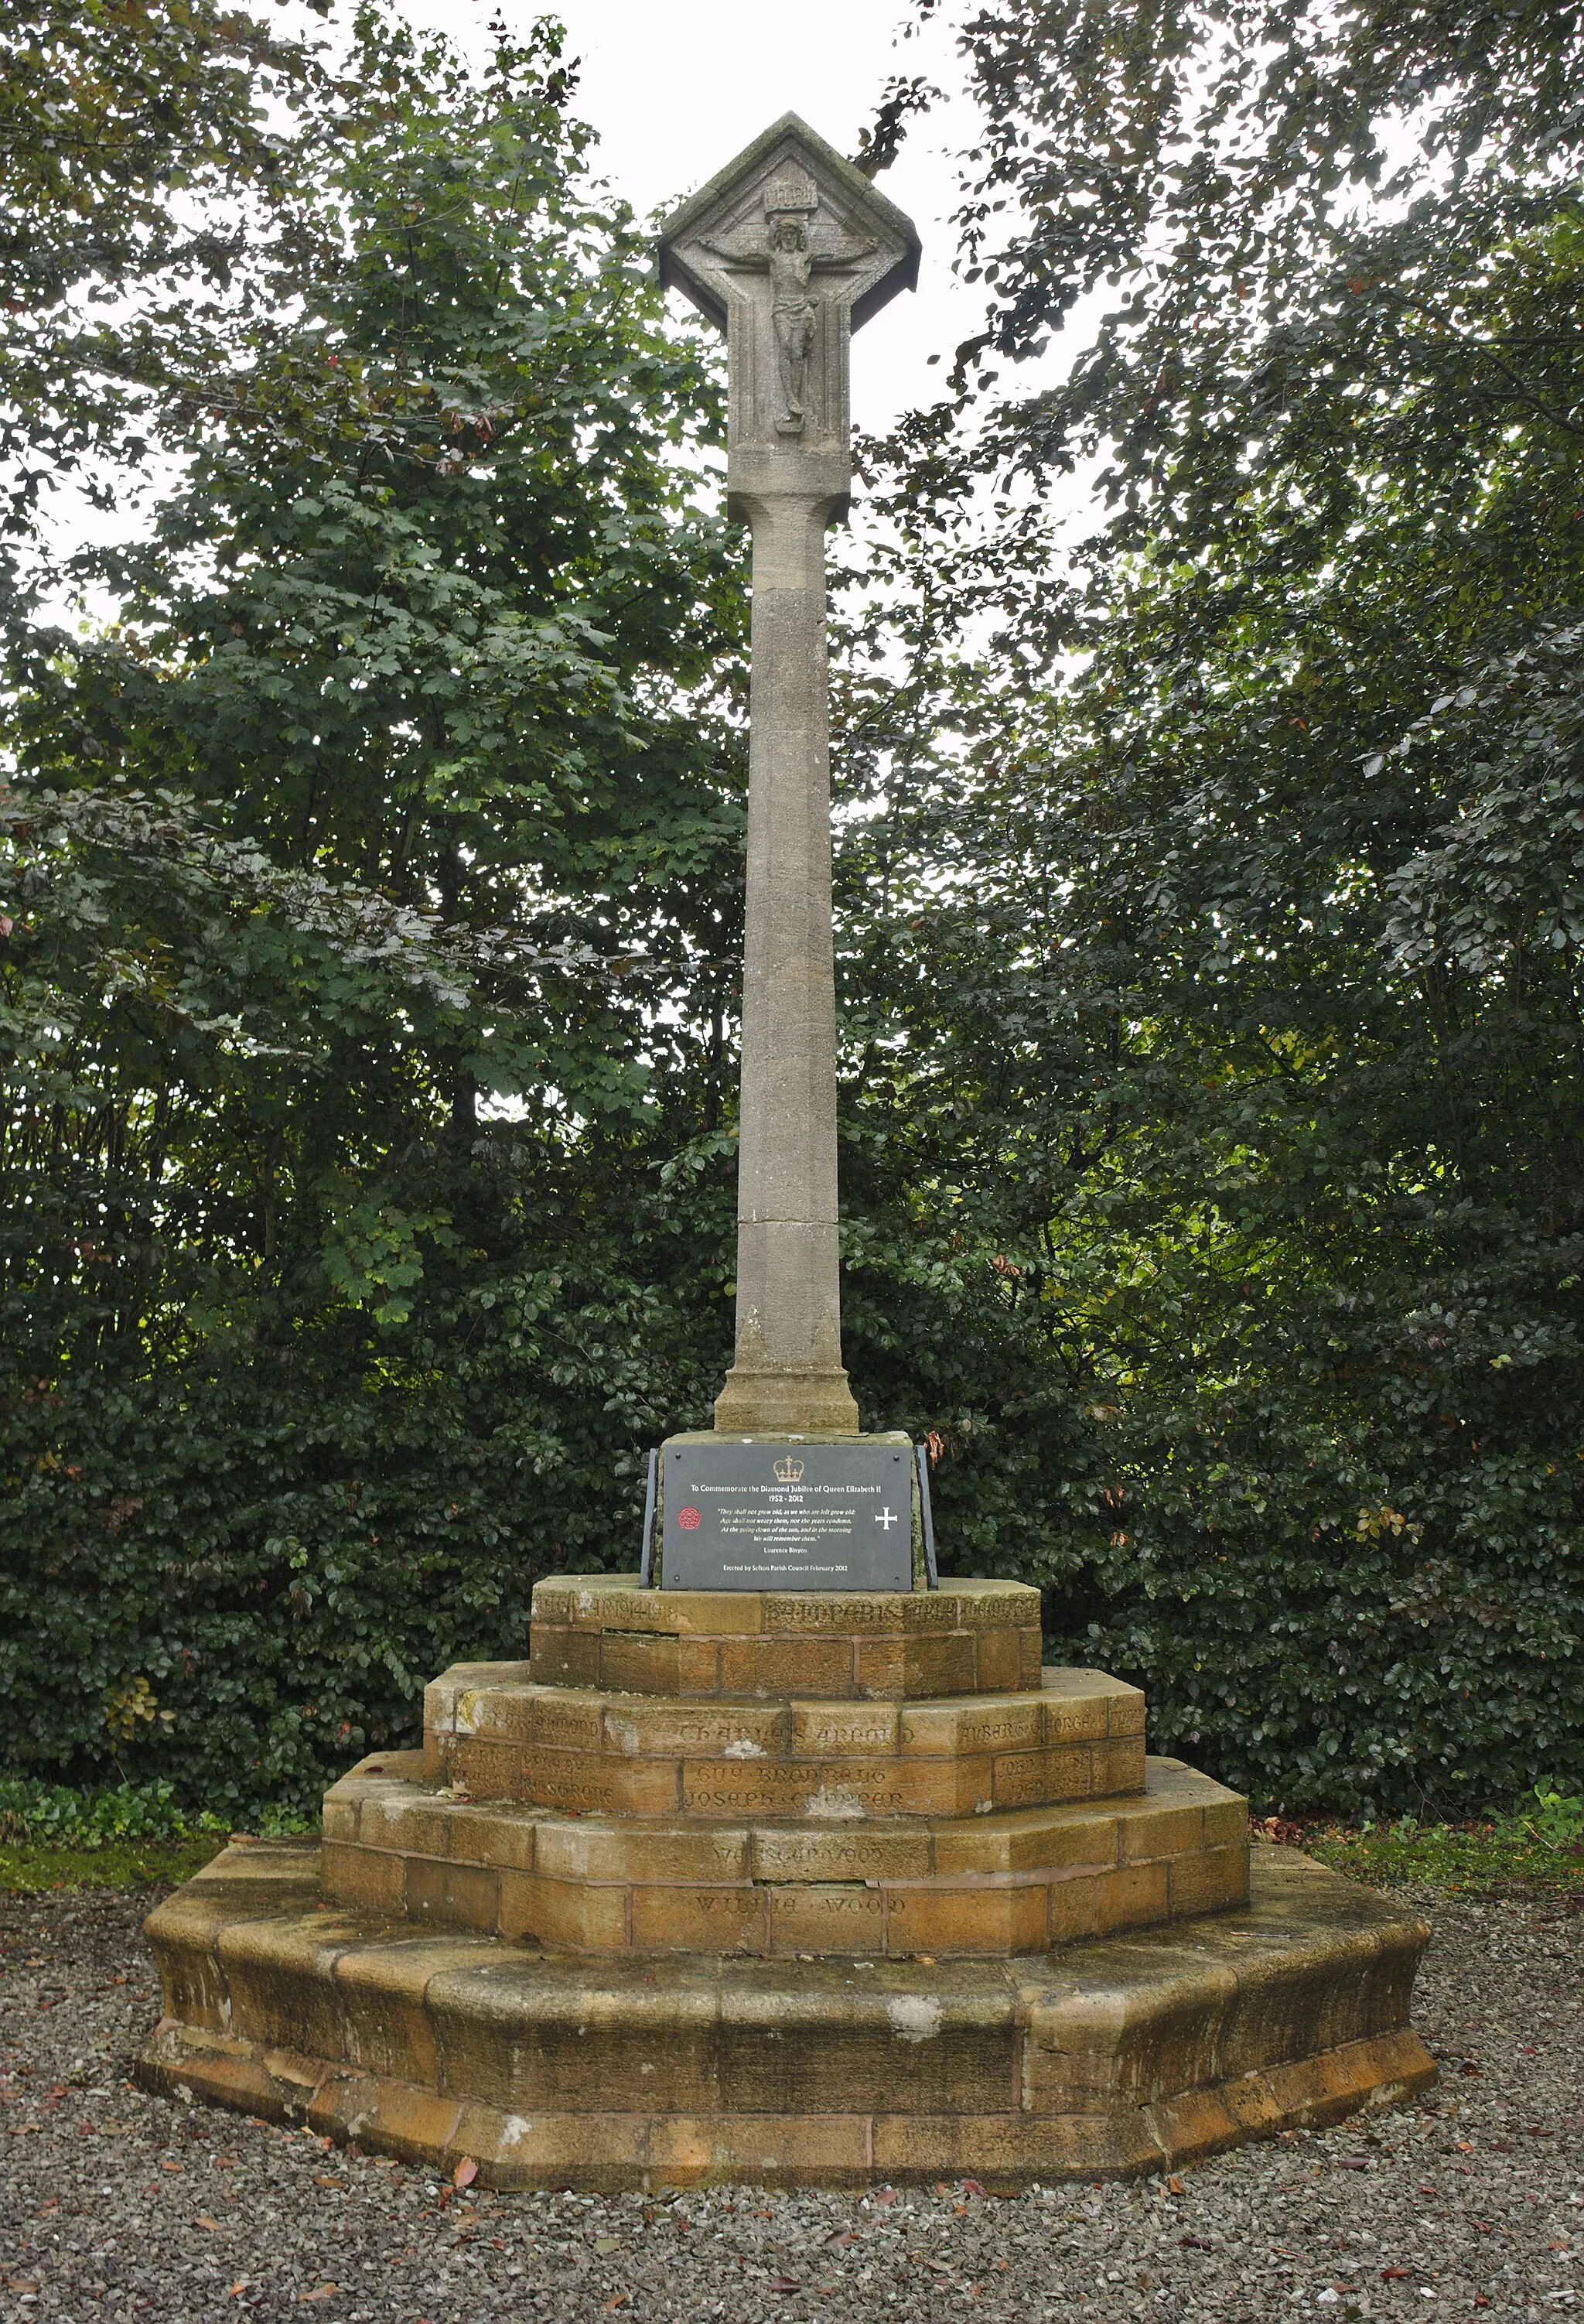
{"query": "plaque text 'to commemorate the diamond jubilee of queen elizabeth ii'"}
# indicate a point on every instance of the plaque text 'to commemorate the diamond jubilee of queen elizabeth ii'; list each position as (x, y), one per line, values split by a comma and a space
(787, 1517)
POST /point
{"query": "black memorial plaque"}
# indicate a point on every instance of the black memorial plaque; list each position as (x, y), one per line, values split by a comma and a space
(787, 1517)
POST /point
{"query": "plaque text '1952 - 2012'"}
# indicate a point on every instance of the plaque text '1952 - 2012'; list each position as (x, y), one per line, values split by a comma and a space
(767, 1516)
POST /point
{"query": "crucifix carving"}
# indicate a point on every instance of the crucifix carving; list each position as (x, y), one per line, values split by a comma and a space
(790, 250)
(787, 254)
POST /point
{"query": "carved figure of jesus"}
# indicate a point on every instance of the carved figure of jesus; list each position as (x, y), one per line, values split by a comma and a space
(793, 313)
(789, 263)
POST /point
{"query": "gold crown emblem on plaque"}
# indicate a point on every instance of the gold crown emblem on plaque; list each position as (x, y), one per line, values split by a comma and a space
(788, 1469)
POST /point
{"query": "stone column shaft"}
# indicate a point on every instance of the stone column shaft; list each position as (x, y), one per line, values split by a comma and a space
(787, 1372)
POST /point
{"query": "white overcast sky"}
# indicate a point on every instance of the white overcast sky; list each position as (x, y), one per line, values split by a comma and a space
(675, 87)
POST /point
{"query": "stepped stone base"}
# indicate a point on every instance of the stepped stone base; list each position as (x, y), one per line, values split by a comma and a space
(809, 1888)
(1111, 2057)
(499, 1733)
(1017, 1882)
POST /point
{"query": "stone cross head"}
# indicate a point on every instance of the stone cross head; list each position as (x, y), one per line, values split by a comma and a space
(790, 249)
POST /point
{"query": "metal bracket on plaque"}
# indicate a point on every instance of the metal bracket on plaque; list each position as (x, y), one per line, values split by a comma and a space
(646, 1564)
(921, 1463)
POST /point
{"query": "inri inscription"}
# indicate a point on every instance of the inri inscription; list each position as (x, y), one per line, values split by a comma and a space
(787, 1517)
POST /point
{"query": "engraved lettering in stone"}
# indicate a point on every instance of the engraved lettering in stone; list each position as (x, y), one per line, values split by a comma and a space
(859, 1903)
(620, 1609)
(552, 1789)
(562, 1730)
(698, 1735)
(827, 1856)
(843, 1736)
(792, 1794)
(1023, 1779)
(975, 1731)
(816, 1614)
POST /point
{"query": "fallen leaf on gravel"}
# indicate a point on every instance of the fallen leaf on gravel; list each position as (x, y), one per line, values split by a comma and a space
(322, 2179)
(325, 2292)
(169, 2166)
(841, 2239)
(887, 2195)
(1174, 2186)
(204, 2220)
(622, 2300)
(784, 2283)
(1536, 2132)
(973, 2187)
(1395, 2275)
(466, 2173)
(1196, 2243)
(1354, 2162)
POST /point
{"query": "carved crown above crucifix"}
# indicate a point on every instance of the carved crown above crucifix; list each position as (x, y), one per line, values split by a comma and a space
(790, 248)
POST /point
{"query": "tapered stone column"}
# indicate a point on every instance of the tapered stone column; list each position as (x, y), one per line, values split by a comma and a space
(789, 247)
(787, 1373)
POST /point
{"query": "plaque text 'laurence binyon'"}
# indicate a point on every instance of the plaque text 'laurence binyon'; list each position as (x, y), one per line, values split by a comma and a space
(787, 1517)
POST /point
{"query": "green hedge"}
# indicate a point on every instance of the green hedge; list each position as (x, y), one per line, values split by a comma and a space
(283, 1547)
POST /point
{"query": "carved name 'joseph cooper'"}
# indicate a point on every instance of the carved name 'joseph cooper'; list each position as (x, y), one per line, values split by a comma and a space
(790, 249)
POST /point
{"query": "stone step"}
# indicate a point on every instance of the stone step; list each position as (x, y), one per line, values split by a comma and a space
(968, 1638)
(1124, 2055)
(495, 1730)
(1012, 1881)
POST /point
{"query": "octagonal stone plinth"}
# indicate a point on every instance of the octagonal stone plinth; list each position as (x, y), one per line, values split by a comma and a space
(497, 1732)
(1128, 2054)
(968, 1638)
(1015, 1882)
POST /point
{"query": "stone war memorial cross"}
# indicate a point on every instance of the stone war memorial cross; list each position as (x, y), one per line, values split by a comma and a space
(780, 1866)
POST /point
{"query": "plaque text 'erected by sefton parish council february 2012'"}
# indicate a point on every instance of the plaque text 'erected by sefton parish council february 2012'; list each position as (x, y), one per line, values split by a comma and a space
(761, 1515)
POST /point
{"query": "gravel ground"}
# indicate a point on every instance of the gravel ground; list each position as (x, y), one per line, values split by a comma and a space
(113, 2204)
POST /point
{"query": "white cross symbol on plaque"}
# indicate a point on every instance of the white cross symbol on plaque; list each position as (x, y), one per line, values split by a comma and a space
(887, 1518)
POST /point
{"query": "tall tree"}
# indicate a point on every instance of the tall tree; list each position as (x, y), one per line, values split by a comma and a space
(373, 889)
(1232, 941)
(133, 136)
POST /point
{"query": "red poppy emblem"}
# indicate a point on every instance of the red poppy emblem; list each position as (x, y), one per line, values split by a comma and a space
(689, 1519)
